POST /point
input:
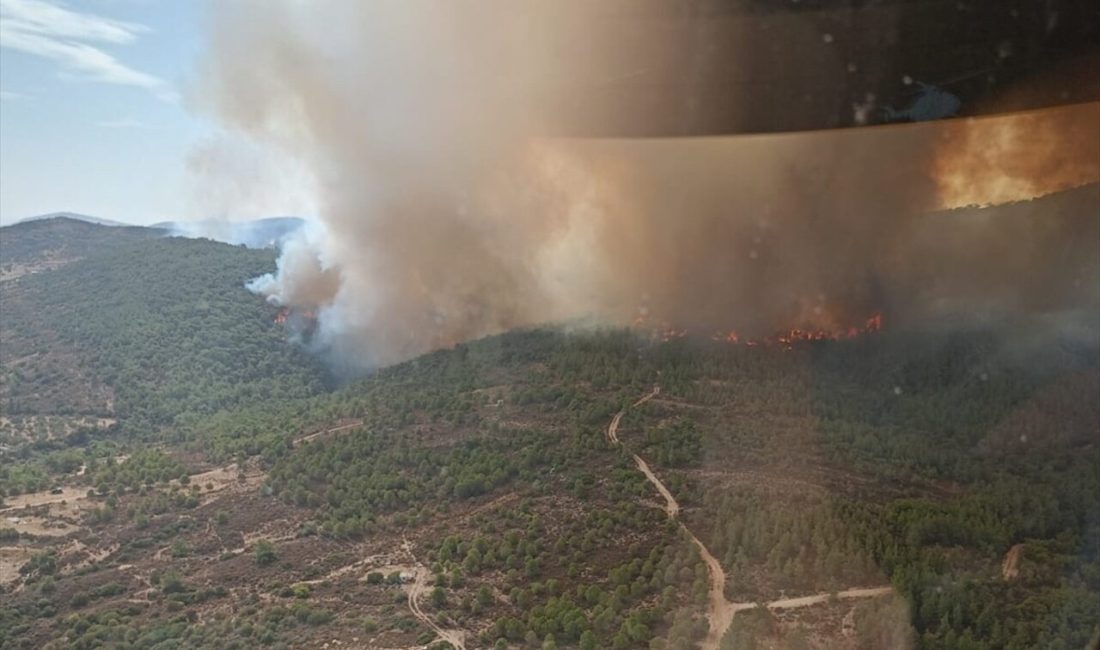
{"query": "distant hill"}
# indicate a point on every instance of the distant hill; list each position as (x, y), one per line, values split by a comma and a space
(257, 233)
(87, 218)
(49, 243)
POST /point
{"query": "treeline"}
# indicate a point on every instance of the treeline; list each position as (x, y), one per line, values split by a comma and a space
(143, 468)
(38, 465)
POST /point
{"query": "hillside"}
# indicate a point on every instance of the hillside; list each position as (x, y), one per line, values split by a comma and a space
(43, 244)
(137, 335)
(598, 489)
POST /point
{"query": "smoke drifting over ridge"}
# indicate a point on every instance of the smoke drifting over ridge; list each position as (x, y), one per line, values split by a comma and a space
(447, 212)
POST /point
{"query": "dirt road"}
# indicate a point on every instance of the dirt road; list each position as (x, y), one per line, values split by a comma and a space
(1010, 566)
(720, 611)
(613, 428)
(791, 603)
(671, 507)
(46, 497)
(325, 432)
(457, 638)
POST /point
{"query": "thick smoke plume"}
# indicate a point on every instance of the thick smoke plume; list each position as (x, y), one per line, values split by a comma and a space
(450, 211)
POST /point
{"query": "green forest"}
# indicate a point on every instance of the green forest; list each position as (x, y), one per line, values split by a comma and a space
(910, 459)
(155, 335)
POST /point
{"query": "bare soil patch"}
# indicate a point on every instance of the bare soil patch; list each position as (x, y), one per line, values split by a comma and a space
(11, 558)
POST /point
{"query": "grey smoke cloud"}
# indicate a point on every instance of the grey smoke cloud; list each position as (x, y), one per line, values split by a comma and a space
(449, 213)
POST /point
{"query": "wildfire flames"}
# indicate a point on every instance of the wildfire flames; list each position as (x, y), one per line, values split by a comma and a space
(787, 339)
(285, 314)
(1017, 157)
(482, 214)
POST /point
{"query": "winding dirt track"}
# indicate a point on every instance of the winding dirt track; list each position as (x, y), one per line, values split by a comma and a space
(457, 638)
(720, 610)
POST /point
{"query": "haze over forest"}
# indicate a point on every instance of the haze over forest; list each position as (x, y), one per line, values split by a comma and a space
(550, 325)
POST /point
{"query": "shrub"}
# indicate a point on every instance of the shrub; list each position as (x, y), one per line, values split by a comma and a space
(264, 552)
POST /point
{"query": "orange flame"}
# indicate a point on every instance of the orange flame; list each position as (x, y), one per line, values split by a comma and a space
(788, 339)
(284, 314)
(1019, 156)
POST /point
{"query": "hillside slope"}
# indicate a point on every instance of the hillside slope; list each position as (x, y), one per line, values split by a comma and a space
(486, 475)
(43, 244)
(591, 489)
(142, 335)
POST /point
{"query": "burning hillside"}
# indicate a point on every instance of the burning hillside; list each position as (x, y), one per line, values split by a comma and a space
(794, 336)
(297, 321)
(447, 217)
(787, 339)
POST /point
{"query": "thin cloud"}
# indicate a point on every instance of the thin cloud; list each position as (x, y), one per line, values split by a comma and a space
(51, 20)
(11, 95)
(63, 36)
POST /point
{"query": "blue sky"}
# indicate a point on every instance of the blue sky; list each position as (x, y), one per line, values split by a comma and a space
(93, 115)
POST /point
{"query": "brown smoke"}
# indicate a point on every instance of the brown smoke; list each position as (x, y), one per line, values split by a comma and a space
(446, 216)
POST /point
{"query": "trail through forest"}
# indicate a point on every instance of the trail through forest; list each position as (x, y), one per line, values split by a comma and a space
(324, 432)
(720, 610)
(457, 638)
(791, 603)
